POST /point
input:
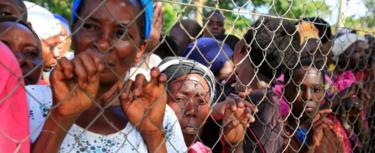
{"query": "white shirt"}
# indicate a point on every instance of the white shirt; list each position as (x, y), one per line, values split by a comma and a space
(127, 140)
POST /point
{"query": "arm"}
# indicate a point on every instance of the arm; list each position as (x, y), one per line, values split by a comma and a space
(69, 99)
(144, 105)
(237, 117)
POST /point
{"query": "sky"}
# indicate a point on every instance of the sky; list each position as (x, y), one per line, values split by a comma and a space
(354, 8)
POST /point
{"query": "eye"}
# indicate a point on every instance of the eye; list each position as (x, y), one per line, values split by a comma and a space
(181, 100)
(317, 89)
(30, 52)
(122, 34)
(202, 102)
(89, 26)
(4, 13)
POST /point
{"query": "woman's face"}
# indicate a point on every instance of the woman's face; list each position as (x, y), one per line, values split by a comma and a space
(50, 53)
(189, 97)
(355, 57)
(111, 31)
(305, 92)
(24, 45)
(244, 70)
(8, 8)
(64, 41)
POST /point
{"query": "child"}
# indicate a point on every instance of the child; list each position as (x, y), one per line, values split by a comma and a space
(191, 95)
(306, 129)
(85, 90)
(26, 47)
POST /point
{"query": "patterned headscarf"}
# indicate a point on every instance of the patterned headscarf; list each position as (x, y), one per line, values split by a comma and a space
(175, 67)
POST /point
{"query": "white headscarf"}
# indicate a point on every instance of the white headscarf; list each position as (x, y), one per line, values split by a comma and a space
(42, 21)
(342, 43)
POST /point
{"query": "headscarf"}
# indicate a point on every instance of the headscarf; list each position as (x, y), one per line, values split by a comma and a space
(307, 31)
(14, 111)
(63, 22)
(175, 67)
(42, 21)
(209, 52)
(147, 5)
(341, 43)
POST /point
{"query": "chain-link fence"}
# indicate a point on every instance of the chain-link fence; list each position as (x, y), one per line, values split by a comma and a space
(187, 76)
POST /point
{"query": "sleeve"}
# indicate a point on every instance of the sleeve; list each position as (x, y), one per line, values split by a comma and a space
(174, 138)
(39, 99)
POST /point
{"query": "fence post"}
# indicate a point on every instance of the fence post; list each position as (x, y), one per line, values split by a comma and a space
(341, 15)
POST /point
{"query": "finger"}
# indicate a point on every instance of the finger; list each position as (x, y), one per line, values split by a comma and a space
(238, 100)
(98, 61)
(125, 96)
(80, 72)
(155, 73)
(246, 93)
(138, 85)
(111, 92)
(89, 64)
(66, 67)
(235, 123)
(162, 79)
(252, 107)
(249, 115)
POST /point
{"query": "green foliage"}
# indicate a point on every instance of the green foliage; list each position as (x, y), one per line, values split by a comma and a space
(62, 7)
(170, 16)
(299, 8)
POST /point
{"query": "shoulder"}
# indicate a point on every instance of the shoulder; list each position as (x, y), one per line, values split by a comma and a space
(39, 98)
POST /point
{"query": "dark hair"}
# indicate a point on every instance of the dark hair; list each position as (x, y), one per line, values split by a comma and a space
(22, 5)
(192, 27)
(273, 43)
(212, 13)
(140, 18)
(325, 32)
(306, 62)
(167, 47)
(16, 20)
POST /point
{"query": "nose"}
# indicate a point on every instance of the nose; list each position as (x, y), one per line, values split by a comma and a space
(190, 109)
(103, 42)
(307, 95)
(56, 53)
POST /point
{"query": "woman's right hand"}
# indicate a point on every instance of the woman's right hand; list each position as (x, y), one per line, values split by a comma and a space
(75, 84)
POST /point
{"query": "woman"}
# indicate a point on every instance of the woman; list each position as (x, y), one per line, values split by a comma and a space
(14, 125)
(191, 89)
(26, 47)
(86, 89)
(307, 129)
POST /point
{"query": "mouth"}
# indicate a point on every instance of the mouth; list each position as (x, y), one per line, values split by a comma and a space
(190, 130)
(310, 106)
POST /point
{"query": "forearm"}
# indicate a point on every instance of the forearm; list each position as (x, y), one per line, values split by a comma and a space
(227, 148)
(53, 133)
(155, 141)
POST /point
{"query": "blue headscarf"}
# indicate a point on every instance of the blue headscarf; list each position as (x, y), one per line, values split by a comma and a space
(146, 4)
(63, 21)
(209, 52)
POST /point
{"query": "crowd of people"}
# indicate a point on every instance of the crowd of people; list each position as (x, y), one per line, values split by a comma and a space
(109, 80)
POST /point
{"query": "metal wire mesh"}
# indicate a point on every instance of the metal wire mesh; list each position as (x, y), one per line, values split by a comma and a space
(239, 76)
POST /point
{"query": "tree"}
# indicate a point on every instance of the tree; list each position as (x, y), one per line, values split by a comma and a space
(62, 7)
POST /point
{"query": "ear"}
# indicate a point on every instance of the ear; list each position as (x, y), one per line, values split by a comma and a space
(239, 51)
(141, 50)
